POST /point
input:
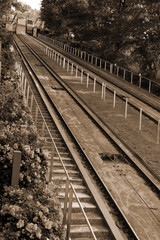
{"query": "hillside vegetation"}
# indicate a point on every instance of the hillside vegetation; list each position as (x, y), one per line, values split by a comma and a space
(125, 32)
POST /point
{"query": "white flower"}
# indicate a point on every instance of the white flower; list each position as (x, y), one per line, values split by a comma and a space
(40, 214)
(29, 197)
(20, 223)
(29, 227)
(28, 178)
(21, 176)
(38, 159)
(47, 224)
(35, 219)
(38, 233)
(33, 165)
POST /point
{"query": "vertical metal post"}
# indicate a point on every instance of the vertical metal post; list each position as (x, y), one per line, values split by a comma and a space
(76, 71)
(140, 120)
(16, 168)
(126, 107)
(43, 128)
(69, 213)
(111, 68)
(94, 86)
(117, 71)
(105, 66)
(68, 66)
(140, 80)
(92, 59)
(81, 75)
(88, 57)
(100, 64)
(57, 58)
(149, 86)
(158, 131)
(131, 77)
(36, 115)
(87, 79)
(51, 163)
(96, 62)
(64, 61)
(60, 61)
(104, 91)
(124, 74)
(114, 99)
(65, 202)
(102, 94)
(72, 69)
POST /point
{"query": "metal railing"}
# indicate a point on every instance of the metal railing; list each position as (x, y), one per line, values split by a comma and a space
(70, 191)
(74, 69)
(134, 78)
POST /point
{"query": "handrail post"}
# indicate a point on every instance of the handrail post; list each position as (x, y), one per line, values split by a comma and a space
(111, 68)
(87, 79)
(65, 201)
(76, 71)
(51, 163)
(94, 86)
(72, 69)
(69, 213)
(81, 75)
(114, 99)
(117, 71)
(131, 77)
(68, 66)
(43, 128)
(124, 74)
(36, 115)
(126, 107)
(149, 86)
(140, 80)
(140, 120)
(102, 93)
(64, 62)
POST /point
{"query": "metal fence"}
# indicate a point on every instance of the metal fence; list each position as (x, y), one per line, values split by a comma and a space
(136, 79)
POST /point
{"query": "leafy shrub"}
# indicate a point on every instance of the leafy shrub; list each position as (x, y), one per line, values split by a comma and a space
(28, 214)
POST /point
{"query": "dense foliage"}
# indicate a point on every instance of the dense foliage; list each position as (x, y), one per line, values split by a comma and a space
(125, 32)
(30, 210)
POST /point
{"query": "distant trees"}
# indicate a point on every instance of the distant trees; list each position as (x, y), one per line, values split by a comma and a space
(122, 31)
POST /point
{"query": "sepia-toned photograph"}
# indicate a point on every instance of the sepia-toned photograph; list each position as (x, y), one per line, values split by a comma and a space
(79, 119)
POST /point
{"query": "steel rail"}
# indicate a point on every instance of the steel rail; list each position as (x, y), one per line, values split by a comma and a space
(97, 175)
(99, 72)
(25, 61)
(56, 76)
(129, 153)
(102, 124)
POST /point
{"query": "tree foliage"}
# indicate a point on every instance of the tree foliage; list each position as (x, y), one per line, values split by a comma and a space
(122, 31)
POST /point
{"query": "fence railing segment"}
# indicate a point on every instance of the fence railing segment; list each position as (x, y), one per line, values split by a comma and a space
(124, 74)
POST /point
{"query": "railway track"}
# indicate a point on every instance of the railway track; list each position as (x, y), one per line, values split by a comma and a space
(59, 173)
(129, 89)
(132, 97)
